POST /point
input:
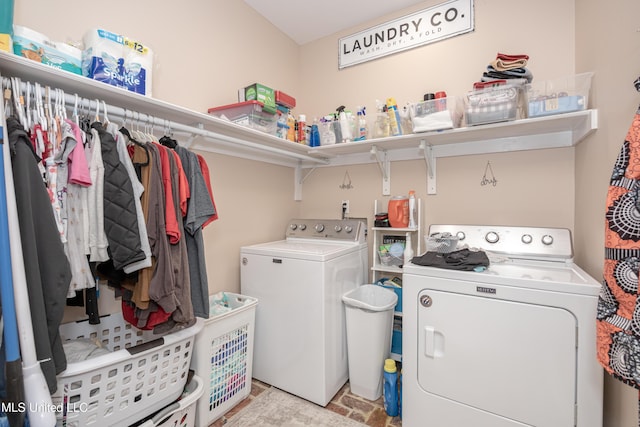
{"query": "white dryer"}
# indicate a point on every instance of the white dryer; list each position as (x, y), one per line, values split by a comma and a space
(514, 345)
(300, 343)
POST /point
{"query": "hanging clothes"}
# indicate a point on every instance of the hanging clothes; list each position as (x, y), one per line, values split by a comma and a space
(200, 209)
(120, 218)
(47, 268)
(618, 318)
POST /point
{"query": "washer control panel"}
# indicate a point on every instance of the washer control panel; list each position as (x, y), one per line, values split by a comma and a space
(353, 230)
(512, 241)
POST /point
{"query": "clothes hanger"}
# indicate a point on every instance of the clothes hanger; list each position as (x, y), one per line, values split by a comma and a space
(167, 139)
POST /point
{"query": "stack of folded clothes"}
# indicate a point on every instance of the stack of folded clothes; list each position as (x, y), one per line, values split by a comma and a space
(508, 67)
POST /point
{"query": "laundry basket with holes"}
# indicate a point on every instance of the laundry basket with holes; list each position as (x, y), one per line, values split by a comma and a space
(181, 413)
(223, 355)
(141, 374)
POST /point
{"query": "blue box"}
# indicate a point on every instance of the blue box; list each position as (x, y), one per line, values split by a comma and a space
(396, 341)
(398, 292)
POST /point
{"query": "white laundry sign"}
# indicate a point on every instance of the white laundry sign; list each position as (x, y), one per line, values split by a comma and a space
(426, 26)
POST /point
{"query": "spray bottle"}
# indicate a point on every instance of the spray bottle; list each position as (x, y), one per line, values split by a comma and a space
(362, 125)
(381, 129)
(394, 117)
(345, 127)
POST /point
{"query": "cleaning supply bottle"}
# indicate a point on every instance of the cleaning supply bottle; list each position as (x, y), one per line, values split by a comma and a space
(314, 134)
(412, 210)
(345, 126)
(408, 249)
(381, 128)
(362, 125)
(291, 132)
(337, 128)
(395, 121)
(302, 129)
(390, 387)
(400, 396)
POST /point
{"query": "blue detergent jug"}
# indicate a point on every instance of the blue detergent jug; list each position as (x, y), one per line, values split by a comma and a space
(390, 387)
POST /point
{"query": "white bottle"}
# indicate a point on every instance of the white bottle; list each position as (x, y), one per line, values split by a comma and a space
(412, 210)
(408, 249)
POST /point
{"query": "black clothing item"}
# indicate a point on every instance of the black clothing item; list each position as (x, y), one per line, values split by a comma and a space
(120, 217)
(47, 268)
(464, 259)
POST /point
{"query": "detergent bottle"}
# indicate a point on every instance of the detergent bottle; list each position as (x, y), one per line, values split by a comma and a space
(395, 121)
(390, 387)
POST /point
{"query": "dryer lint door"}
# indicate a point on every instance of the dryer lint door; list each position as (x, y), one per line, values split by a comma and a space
(510, 359)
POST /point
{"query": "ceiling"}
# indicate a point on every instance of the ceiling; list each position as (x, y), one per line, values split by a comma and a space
(305, 21)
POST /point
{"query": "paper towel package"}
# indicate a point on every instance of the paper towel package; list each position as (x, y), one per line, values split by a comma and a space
(38, 47)
(117, 60)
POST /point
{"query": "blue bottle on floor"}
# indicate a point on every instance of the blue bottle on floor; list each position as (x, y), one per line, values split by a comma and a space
(390, 387)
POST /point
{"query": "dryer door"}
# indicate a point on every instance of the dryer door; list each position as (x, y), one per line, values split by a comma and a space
(510, 359)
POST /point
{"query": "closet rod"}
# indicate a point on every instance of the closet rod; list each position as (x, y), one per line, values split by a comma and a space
(142, 118)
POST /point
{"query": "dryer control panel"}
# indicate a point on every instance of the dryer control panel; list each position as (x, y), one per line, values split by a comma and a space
(544, 243)
(350, 230)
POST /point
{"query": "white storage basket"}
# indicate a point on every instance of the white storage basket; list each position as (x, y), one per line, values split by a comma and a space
(223, 358)
(142, 374)
(181, 413)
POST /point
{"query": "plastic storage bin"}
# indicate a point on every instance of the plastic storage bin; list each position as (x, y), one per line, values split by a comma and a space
(557, 96)
(434, 114)
(494, 102)
(181, 413)
(142, 374)
(223, 356)
(369, 318)
(249, 114)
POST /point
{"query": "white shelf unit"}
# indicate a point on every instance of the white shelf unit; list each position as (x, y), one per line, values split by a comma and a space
(380, 270)
(208, 133)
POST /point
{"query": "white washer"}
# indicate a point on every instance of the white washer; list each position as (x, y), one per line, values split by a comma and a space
(514, 345)
(300, 341)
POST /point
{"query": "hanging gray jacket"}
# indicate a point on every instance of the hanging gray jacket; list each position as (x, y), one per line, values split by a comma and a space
(47, 269)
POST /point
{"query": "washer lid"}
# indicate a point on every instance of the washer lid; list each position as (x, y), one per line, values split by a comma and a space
(306, 249)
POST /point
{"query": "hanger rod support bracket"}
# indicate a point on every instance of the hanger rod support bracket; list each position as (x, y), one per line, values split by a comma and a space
(385, 169)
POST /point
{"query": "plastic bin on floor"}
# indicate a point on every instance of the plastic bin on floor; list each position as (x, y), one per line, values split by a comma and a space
(223, 355)
(369, 317)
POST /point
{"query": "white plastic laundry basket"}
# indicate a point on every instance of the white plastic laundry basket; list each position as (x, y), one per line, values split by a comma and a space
(223, 357)
(142, 374)
(181, 413)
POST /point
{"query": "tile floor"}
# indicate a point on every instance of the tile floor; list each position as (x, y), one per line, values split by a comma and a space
(344, 403)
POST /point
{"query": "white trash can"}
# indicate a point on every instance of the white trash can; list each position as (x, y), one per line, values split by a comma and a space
(369, 317)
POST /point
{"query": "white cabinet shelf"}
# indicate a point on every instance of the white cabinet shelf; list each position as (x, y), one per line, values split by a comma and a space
(216, 135)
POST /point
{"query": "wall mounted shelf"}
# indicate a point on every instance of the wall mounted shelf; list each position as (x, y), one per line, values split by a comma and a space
(211, 134)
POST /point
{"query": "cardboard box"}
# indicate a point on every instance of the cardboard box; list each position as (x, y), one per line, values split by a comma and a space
(285, 100)
(262, 94)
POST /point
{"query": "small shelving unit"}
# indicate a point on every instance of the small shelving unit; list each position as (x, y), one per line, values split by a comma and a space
(380, 270)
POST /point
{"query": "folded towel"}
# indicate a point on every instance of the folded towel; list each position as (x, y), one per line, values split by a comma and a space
(505, 62)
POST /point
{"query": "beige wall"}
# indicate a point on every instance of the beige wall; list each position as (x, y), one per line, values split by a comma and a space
(217, 46)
